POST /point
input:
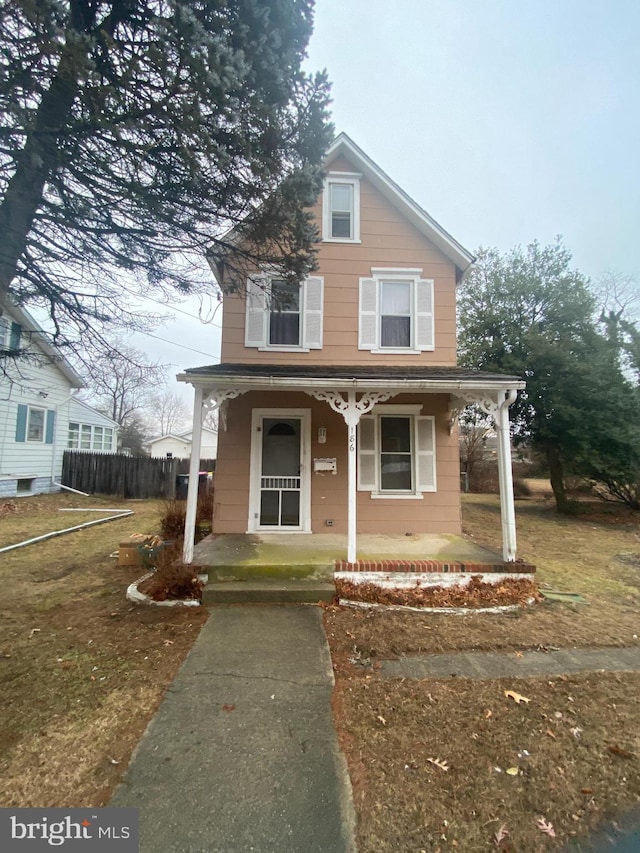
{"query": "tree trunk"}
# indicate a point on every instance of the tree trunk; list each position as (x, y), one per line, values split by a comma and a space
(556, 475)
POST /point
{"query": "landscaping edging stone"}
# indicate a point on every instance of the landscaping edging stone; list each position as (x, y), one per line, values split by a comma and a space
(410, 580)
(137, 597)
(445, 611)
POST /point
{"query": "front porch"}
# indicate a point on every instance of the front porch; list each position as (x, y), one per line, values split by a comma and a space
(285, 567)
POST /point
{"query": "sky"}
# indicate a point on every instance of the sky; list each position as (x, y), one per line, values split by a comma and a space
(507, 120)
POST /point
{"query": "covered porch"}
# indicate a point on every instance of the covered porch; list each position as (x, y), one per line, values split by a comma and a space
(351, 394)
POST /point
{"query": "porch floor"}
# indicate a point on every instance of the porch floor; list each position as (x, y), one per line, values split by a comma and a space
(312, 556)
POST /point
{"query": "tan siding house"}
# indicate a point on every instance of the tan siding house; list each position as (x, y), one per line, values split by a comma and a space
(338, 402)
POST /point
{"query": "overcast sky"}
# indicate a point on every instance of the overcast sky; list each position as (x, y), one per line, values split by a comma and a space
(507, 120)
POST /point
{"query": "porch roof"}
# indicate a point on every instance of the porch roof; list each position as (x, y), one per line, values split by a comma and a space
(410, 378)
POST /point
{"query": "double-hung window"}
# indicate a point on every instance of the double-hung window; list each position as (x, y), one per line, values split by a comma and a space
(341, 208)
(281, 316)
(284, 314)
(35, 424)
(5, 331)
(396, 452)
(396, 312)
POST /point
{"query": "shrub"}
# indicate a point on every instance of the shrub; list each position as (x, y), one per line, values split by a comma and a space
(521, 488)
(175, 512)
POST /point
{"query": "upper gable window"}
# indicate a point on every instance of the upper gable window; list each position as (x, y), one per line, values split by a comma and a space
(282, 317)
(341, 208)
(396, 312)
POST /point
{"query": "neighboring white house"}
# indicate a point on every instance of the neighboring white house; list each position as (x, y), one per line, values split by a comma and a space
(179, 446)
(37, 407)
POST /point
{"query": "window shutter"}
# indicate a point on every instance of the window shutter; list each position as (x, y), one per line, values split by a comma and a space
(424, 314)
(51, 422)
(21, 423)
(255, 330)
(426, 454)
(14, 338)
(367, 454)
(368, 321)
(312, 301)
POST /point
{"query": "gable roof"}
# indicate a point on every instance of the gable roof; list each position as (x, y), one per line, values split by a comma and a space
(343, 145)
(39, 338)
(184, 437)
(76, 401)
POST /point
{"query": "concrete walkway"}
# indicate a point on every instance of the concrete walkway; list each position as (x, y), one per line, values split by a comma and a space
(242, 754)
(509, 665)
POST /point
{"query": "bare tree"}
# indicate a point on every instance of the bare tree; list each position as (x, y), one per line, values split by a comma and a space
(170, 413)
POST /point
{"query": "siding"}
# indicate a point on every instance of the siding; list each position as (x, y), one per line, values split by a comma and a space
(387, 240)
(20, 459)
(437, 512)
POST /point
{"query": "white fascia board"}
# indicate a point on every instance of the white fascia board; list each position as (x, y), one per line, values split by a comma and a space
(25, 319)
(418, 217)
(435, 386)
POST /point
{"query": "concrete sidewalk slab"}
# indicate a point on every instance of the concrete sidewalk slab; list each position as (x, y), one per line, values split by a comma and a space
(508, 665)
(242, 754)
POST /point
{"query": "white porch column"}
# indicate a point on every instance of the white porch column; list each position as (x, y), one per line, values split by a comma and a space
(498, 408)
(505, 477)
(202, 405)
(194, 470)
(352, 410)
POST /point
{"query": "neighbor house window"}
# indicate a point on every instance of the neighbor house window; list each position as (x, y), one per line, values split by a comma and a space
(35, 424)
(341, 208)
(284, 316)
(396, 312)
(89, 437)
(396, 452)
(5, 332)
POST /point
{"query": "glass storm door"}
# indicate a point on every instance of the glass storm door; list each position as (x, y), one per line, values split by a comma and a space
(280, 479)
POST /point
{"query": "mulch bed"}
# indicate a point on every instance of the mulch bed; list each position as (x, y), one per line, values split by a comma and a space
(477, 593)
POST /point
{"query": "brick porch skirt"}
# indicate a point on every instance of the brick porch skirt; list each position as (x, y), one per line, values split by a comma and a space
(426, 566)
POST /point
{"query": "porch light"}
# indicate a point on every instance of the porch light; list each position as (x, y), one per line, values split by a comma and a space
(322, 435)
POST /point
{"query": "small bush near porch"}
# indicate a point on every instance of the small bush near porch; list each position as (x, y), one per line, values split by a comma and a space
(570, 756)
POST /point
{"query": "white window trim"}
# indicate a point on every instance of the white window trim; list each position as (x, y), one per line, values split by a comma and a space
(92, 448)
(412, 411)
(5, 332)
(391, 274)
(352, 179)
(44, 425)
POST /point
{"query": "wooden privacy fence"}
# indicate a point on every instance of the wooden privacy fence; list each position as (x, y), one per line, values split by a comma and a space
(125, 476)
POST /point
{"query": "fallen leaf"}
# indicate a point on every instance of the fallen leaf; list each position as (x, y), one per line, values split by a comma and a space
(550, 733)
(586, 790)
(382, 720)
(488, 714)
(545, 826)
(34, 631)
(438, 763)
(228, 708)
(113, 761)
(513, 771)
(614, 749)
(517, 697)
(500, 835)
(167, 642)
(517, 654)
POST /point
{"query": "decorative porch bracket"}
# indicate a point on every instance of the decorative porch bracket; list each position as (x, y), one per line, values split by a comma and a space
(202, 406)
(498, 408)
(352, 410)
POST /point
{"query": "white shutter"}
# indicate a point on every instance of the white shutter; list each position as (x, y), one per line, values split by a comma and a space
(424, 314)
(425, 454)
(367, 454)
(255, 327)
(368, 320)
(312, 303)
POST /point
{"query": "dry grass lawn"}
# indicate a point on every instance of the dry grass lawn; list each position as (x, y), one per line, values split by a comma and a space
(81, 670)
(573, 750)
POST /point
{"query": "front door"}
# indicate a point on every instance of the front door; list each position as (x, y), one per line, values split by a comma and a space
(278, 494)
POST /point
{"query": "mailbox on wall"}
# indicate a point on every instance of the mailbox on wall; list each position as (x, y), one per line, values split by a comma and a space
(325, 466)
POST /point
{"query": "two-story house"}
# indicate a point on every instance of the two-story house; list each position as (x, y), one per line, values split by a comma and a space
(40, 416)
(338, 400)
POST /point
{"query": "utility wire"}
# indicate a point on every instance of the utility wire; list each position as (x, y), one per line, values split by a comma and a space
(182, 346)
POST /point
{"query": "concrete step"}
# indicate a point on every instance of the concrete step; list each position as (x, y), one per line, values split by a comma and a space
(268, 591)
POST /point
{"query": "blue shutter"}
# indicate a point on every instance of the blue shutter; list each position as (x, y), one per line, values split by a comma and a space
(21, 423)
(14, 339)
(51, 422)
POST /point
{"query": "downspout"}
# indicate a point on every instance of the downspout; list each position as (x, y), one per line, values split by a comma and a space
(56, 408)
